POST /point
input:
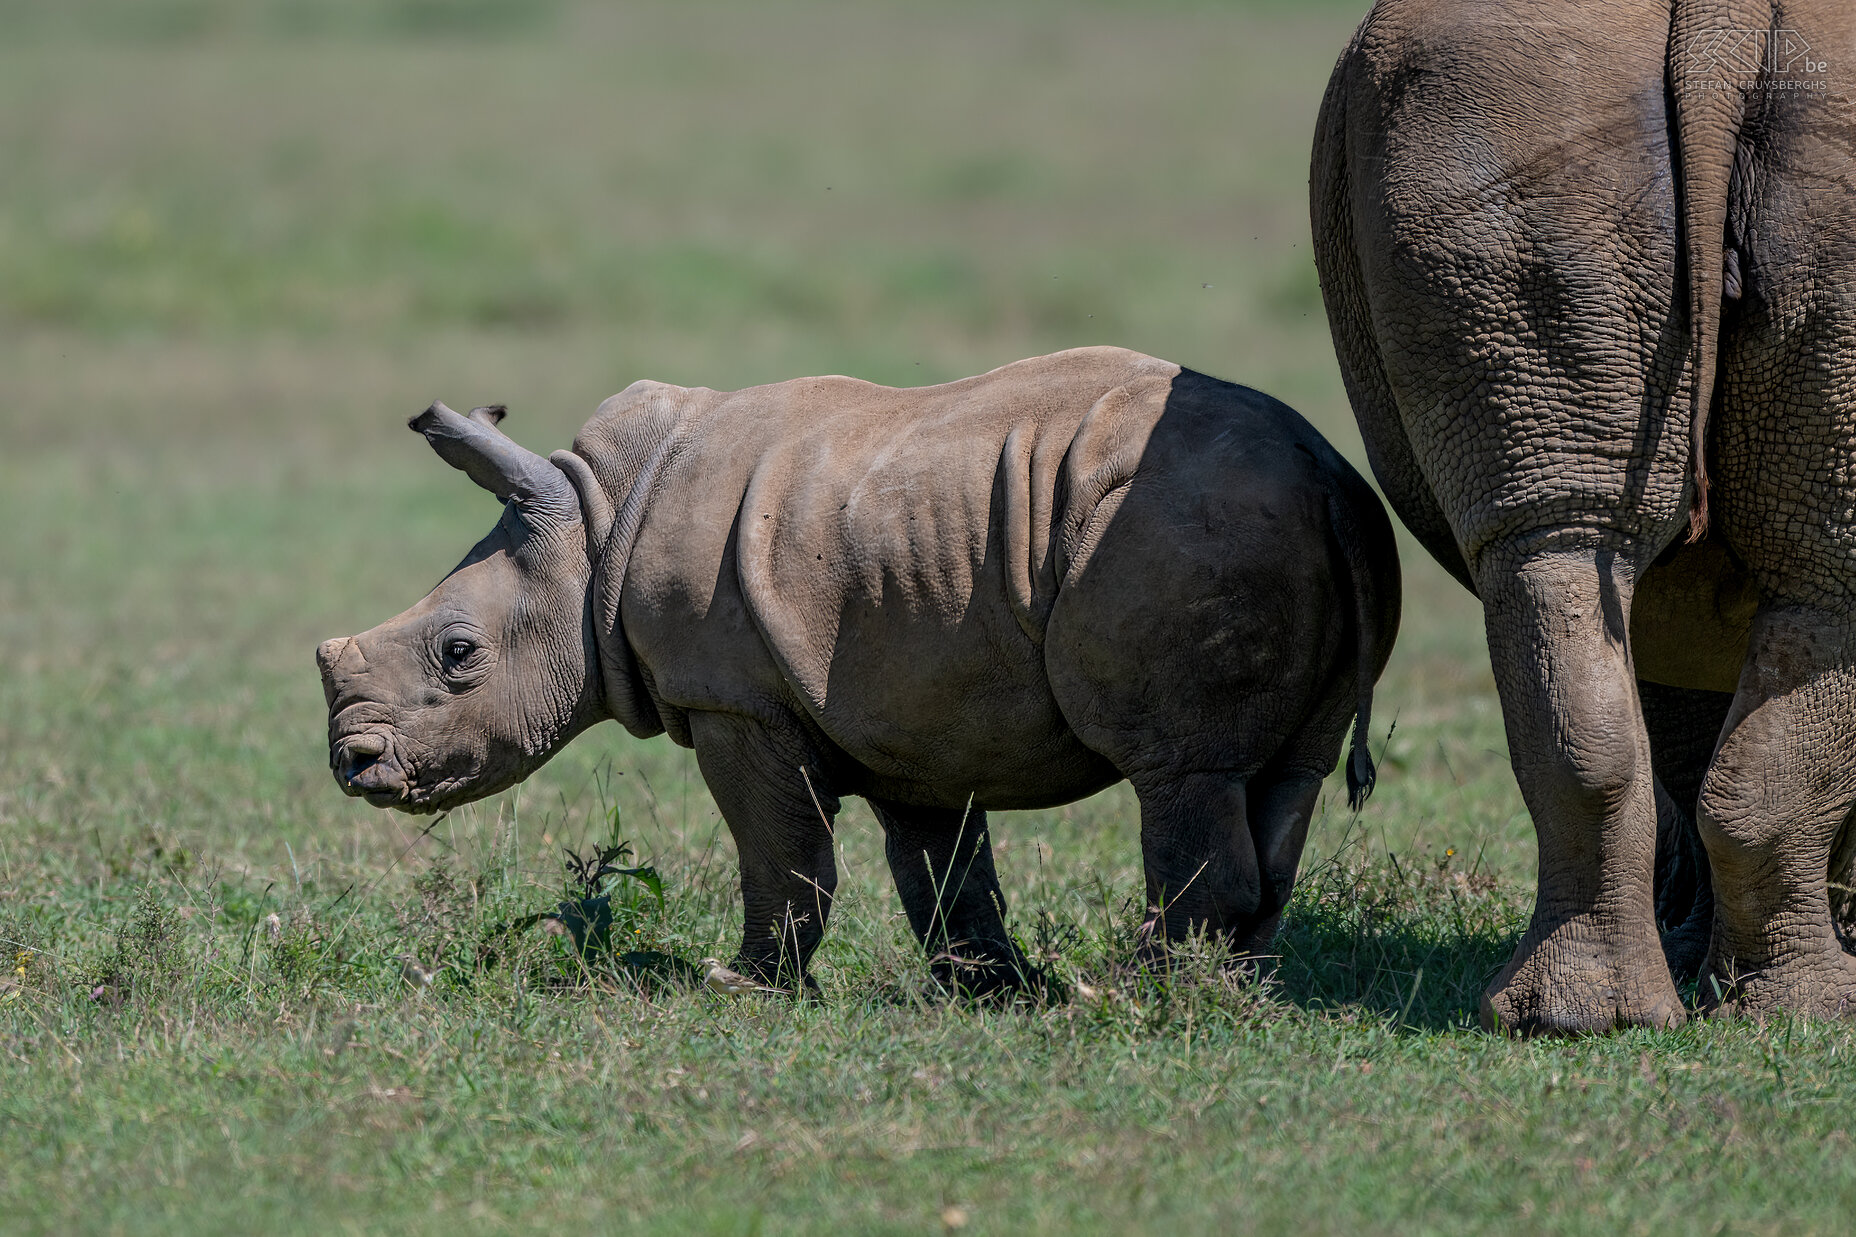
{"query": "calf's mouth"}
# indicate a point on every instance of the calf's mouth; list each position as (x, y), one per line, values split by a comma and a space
(365, 767)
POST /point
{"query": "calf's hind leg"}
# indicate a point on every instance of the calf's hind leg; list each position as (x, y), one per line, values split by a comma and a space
(1281, 805)
(1221, 853)
(942, 861)
(1199, 856)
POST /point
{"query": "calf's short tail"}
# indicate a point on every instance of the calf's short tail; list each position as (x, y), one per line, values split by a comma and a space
(1361, 775)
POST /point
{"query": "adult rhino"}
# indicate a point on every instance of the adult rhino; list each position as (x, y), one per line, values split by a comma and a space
(1008, 591)
(1591, 275)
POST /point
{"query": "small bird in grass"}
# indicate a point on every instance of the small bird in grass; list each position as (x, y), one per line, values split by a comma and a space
(414, 974)
(729, 983)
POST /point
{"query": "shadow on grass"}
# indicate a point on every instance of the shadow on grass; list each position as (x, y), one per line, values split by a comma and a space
(1414, 945)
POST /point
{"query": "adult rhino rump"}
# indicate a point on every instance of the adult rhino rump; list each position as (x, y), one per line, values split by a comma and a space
(1591, 275)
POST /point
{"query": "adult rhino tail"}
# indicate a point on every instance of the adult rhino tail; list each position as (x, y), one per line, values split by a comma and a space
(1708, 82)
(1363, 536)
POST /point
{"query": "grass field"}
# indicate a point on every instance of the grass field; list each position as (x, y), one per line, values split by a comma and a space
(240, 242)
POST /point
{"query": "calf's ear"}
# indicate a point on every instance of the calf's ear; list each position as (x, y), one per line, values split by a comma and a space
(595, 506)
(475, 445)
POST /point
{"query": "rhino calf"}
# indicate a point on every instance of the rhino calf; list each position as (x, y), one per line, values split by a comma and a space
(1005, 592)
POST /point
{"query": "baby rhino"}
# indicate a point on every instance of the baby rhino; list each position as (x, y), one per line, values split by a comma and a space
(1006, 592)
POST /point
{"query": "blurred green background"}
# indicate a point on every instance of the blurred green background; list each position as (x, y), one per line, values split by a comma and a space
(241, 242)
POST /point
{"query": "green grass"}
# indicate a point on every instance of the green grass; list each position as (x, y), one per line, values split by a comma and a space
(239, 243)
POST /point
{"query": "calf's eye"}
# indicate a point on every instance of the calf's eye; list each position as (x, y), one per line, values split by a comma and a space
(458, 650)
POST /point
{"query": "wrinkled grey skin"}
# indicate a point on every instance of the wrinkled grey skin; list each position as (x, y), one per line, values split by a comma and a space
(1012, 591)
(1593, 290)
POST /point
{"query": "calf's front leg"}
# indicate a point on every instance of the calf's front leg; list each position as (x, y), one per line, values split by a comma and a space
(783, 838)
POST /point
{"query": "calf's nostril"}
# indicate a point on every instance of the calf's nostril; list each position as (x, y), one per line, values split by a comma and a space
(354, 757)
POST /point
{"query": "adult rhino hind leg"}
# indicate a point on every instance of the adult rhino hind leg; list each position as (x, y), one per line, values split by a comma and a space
(1590, 959)
(788, 877)
(1492, 206)
(1774, 809)
(1776, 803)
(941, 859)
